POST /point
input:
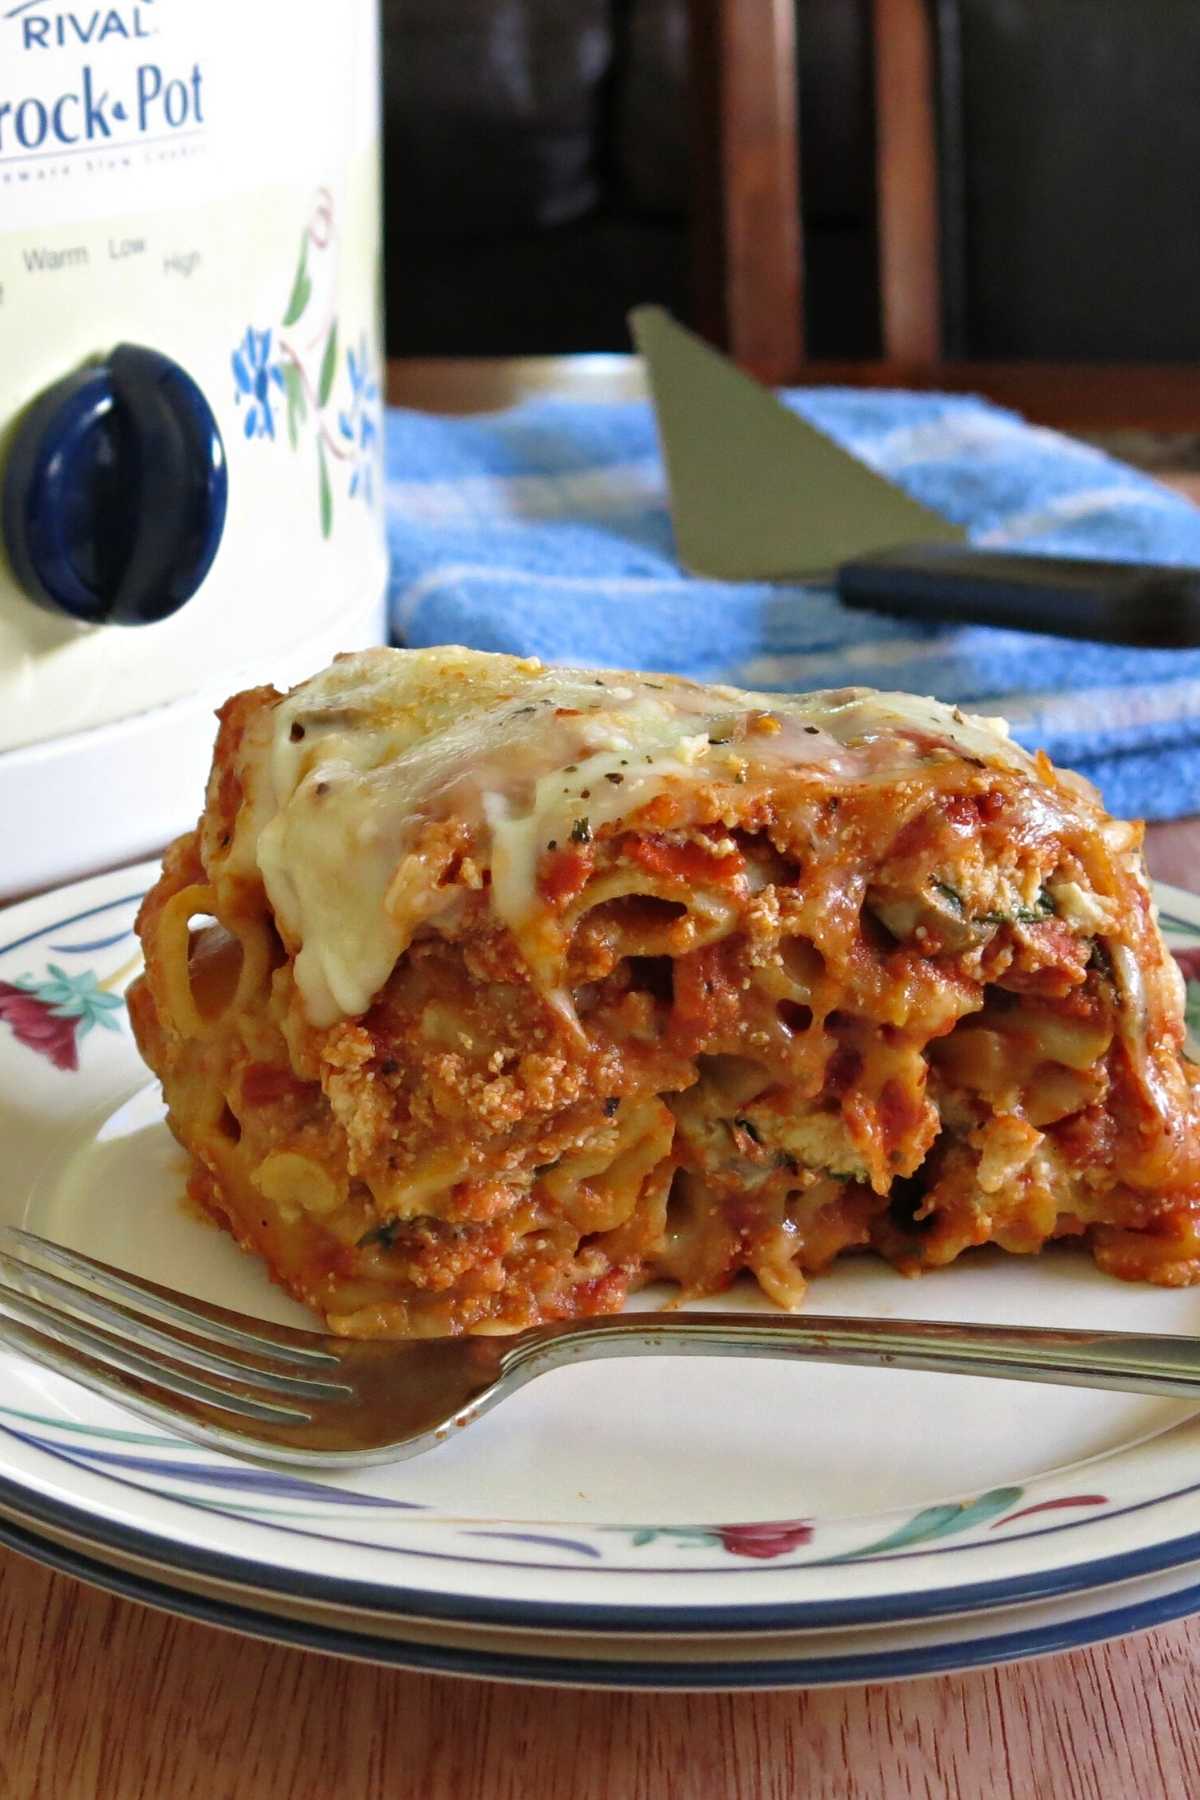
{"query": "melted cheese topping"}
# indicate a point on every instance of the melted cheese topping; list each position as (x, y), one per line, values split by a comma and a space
(354, 764)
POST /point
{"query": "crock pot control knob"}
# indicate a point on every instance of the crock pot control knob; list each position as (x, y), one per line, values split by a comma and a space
(115, 491)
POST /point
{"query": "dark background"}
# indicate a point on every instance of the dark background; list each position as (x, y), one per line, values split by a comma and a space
(540, 157)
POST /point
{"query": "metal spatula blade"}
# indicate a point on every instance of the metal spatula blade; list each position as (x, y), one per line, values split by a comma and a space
(759, 494)
(756, 491)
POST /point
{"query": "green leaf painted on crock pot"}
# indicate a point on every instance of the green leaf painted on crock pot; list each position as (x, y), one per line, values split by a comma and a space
(328, 366)
(301, 286)
(942, 1521)
(297, 405)
(324, 490)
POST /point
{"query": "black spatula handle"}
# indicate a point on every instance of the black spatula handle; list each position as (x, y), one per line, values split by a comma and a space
(1109, 602)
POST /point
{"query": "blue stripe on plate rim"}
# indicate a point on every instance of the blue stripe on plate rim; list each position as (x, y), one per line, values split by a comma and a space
(816, 1671)
(397, 1601)
(91, 912)
(400, 1601)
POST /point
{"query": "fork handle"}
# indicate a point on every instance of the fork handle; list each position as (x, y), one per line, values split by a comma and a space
(1127, 1362)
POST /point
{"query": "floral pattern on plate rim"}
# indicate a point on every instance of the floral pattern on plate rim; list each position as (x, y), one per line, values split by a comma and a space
(50, 1015)
(226, 1480)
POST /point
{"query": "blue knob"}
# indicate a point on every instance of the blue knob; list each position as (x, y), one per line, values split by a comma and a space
(115, 491)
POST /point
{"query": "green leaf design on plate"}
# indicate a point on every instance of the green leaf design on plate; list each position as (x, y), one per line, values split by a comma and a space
(325, 490)
(1191, 1010)
(77, 996)
(297, 405)
(97, 1431)
(685, 1537)
(1177, 927)
(301, 286)
(328, 366)
(239, 1508)
(942, 1521)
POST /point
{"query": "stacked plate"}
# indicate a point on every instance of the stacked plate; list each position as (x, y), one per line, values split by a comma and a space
(665, 1523)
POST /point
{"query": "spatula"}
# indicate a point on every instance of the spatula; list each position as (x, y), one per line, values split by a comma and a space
(758, 493)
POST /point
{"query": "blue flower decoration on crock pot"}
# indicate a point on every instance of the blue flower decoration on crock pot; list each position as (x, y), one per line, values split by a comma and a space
(303, 372)
(254, 373)
(358, 422)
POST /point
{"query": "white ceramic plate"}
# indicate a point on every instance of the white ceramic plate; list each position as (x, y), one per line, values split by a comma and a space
(891, 1652)
(673, 1498)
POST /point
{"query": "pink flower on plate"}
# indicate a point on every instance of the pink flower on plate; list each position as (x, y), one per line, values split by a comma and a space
(772, 1537)
(36, 1025)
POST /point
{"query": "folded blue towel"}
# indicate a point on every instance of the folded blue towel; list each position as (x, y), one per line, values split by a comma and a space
(544, 531)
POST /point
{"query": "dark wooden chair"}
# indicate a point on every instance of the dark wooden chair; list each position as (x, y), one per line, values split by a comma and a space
(749, 261)
(748, 254)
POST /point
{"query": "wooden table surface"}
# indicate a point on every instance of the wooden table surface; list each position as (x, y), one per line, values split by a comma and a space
(106, 1700)
(103, 1699)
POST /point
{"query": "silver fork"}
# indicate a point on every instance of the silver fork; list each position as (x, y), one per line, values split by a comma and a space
(279, 1395)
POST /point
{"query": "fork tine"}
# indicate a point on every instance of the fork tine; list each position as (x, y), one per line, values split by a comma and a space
(78, 1347)
(237, 1330)
(219, 1429)
(40, 1285)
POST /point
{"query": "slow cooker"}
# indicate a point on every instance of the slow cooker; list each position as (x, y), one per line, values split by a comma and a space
(190, 396)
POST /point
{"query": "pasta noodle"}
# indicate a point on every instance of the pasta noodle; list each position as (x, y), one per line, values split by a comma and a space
(484, 993)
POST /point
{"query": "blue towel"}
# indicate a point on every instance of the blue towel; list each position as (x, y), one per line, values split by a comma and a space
(544, 531)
